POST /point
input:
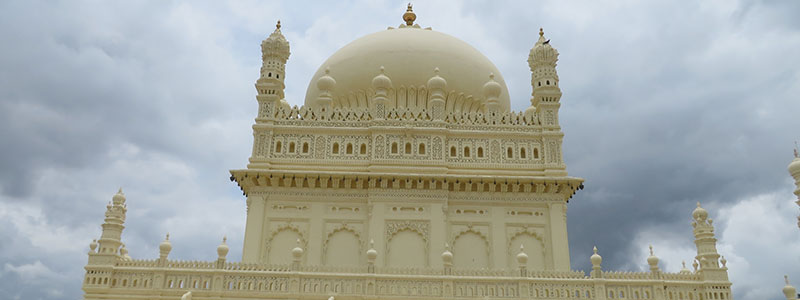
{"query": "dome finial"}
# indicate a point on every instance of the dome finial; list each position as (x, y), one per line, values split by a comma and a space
(278, 26)
(541, 30)
(795, 150)
(409, 16)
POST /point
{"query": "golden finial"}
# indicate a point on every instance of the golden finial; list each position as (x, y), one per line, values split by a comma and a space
(796, 155)
(541, 31)
(278, 26)
(409, 16)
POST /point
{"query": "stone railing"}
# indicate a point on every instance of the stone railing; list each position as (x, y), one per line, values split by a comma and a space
(405, 114)
(237, 280)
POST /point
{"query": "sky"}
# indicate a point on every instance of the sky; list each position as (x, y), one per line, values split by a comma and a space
(666, 103)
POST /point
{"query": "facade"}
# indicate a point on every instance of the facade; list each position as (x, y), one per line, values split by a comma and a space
(404, 175)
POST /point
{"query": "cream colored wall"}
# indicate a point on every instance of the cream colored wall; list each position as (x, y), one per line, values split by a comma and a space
(409, 227)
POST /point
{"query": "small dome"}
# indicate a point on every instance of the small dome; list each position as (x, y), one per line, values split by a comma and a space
(684, 269)
(326, 82)
(93, 245)
(652, 260)
(297, 252)
(381, 81)
(372, 254)
(222, 249)
(788, 290)
(276, 44)
(522, 258)
(596, 258)
(408, 55)
(542, 52)
(437, 82)
(700, 213)
(119, 197)
(794, 167)
(492, 89)
(447, 256)
(165, 247)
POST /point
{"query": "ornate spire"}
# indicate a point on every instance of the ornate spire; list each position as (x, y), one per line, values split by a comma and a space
(409, 17)
(275, 46)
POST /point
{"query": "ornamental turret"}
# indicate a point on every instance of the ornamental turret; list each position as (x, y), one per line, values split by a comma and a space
(491, 91)
(111, 238)
(270, 84)
(794, 170)
(788, 290)
(437, 87)
(381, 84)
(546, 95)
(706, 243)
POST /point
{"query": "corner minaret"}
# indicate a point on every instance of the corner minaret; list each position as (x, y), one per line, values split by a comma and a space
(270, 85)
(706, 243)
(546, 95)
(111, 238)
(794, 170)
(545, 102)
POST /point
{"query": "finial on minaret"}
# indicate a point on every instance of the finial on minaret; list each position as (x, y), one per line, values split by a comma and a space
(795, 150)
(278, 26)
(409, 16)
(541, 31)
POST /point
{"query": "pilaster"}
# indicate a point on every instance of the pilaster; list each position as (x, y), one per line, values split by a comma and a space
(256, 216)
(558, 233)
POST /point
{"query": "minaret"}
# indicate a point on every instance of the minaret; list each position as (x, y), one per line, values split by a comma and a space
(706, 243)
(794, 170)
(111, 238)
(270, 86)
(546, 95)
(545, 102)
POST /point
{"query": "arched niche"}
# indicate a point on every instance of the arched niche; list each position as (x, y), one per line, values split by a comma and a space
(342, 248)
(470, 251)
(407, 249)
(534, 248)
(280, 245)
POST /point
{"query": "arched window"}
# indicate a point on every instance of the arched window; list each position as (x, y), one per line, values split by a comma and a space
(466, 152)
(363, 148)
(421, 149)
(305, 147)
(522, 153)
(291, 147)
(480, 151)
(349, 148)
(269, 74)
(453, 151)
(536, 153)
(394, 148)
(278, 146)
(510, 153)
(335, 148)
(408, 148)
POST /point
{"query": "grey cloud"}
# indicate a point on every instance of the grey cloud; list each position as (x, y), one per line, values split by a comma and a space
(664, 105)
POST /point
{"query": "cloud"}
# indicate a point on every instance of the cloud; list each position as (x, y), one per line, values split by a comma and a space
(664, 105)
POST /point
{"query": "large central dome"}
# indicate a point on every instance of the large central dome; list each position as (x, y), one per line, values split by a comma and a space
(409, 56)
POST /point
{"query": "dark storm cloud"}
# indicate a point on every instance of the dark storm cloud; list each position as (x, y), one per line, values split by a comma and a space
(664, 105)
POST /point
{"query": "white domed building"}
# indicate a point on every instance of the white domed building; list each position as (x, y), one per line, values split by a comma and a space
(404, 175)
